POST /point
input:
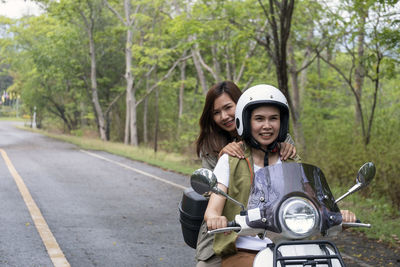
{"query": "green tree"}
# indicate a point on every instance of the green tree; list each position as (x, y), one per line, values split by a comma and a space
(365, 20)
(44, 73)
(147, 50)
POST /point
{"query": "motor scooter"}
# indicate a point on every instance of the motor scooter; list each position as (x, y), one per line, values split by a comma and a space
(292, 205)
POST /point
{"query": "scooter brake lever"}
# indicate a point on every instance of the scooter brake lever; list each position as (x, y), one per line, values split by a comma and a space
(224, 229)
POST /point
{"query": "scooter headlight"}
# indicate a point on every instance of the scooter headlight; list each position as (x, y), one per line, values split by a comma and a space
(298, 217)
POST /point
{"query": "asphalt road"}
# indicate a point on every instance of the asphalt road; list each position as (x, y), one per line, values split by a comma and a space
(62, 206)
(99, 210)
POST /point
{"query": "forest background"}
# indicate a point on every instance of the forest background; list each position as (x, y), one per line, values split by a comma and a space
(136, 72)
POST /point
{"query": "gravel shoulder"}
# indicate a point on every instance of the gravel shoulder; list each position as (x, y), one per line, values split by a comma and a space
(358, 250)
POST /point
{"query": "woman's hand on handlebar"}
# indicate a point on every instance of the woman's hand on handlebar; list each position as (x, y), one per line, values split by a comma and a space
(348, 216)
(216, 222)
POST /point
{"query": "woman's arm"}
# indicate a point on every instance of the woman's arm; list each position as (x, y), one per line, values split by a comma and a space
(213, 215)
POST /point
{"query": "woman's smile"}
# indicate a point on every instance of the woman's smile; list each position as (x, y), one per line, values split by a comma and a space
(267, 135)
(229, 123)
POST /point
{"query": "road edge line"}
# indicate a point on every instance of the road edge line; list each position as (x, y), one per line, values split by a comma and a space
(135, 170)
(53, 249)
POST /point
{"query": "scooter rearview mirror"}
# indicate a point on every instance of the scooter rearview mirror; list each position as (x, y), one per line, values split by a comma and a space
(366, 174)
(364, 177)
(203, 180)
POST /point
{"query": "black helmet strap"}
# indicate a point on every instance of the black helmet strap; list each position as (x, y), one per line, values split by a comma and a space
(273, 147)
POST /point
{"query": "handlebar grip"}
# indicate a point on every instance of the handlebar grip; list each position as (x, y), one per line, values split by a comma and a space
(356, 225)
(232, 224)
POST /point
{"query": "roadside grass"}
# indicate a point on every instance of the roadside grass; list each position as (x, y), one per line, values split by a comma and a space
(12, 119)
(377, 211)
(165, 160)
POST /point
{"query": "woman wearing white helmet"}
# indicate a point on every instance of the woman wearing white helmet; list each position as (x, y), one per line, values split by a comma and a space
(275, 104)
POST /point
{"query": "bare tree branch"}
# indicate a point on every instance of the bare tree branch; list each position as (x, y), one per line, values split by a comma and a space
(114, 101)
(151, 89)
(115, 13)
(349, 82)
(208, 68)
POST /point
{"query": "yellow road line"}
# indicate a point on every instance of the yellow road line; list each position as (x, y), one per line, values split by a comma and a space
(53, 249)
(135, 170)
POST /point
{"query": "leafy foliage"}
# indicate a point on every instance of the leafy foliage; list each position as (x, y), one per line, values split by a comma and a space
(47, 60)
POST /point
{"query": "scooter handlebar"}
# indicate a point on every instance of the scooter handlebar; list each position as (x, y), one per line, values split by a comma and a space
(225, 230)
(357, 223)
(231, 226)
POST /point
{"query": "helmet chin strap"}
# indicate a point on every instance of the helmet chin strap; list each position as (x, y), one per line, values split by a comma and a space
(273, 147)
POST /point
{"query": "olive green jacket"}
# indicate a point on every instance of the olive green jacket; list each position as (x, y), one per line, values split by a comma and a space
(241, 174)
(204, 249)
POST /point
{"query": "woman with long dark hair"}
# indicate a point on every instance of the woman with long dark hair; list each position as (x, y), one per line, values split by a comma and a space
(218, 136)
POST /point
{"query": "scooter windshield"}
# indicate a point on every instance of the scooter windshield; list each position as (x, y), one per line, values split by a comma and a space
(274, 184)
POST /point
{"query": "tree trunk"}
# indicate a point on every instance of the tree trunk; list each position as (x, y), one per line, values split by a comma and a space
(128, 116)
(145, 111)
(360, 68)
(95, 97)
(376, 81)
(89, 25)
(83, 112)
(230, 73)
(279, 18)
(182, 67)
(294, 77)
(319, 73)
(217, 67)
(133, 122)
(200, 72)
(303, 74)
(156, 122)
(130, 135)
(294, 74)
(204, 65)
(108, 124)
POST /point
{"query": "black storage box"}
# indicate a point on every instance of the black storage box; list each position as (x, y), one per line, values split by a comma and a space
(191, 214)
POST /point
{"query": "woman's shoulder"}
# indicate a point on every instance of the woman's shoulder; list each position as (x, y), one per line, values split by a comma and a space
(208, 160)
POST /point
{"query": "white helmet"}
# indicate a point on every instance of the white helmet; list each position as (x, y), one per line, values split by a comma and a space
(254, 97)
